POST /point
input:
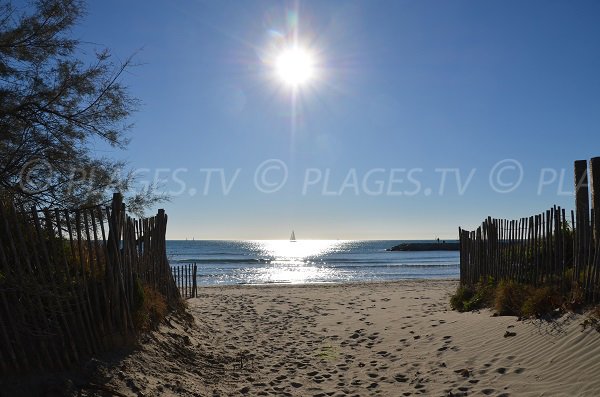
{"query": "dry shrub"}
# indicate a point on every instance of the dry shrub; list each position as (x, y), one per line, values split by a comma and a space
(516, 299)
(576, 300)
(509, 298)
(592, 319)
(541, 302)
(149, 309)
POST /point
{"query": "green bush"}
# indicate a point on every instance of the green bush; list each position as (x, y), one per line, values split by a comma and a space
(463, 294)
(473, 298)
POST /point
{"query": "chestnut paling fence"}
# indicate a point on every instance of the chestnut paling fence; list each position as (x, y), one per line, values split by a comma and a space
(72, 280)
(553, 248)
(186, 279)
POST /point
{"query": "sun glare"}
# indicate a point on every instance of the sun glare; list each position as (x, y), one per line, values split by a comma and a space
(295, 66)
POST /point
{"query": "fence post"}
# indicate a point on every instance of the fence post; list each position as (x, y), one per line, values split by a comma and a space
(595, 184)
(194, 283)
(582, 210)
(582, 205)
(460, 253)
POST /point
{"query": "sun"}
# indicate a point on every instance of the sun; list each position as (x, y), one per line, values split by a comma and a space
(295, 66)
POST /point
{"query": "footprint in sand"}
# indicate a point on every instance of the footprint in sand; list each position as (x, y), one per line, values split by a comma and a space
(373, 385)
(401, 378)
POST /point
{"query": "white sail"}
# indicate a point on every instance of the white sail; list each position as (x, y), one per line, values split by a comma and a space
(293, 236)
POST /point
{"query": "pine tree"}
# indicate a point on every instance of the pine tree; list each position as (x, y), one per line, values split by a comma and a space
(54, 106)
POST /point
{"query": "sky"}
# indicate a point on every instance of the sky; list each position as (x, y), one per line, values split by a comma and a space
(421, 116)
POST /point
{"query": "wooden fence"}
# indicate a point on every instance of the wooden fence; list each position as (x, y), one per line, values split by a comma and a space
(552, 248)
(185, 276)
(71, 282)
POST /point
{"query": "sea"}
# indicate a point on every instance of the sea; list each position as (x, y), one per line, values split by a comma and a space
(222, 262)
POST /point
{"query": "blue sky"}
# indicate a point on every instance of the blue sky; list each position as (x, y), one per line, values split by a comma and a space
(429, 87)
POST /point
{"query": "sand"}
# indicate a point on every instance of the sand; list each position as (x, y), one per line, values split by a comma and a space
(388, 339)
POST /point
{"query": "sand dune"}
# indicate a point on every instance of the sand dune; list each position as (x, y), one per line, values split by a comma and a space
(388, 339)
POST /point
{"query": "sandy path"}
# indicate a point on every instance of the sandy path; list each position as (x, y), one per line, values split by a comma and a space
(389, 339)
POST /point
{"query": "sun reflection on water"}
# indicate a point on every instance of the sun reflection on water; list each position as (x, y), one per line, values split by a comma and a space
(293, 262)
(301, 250)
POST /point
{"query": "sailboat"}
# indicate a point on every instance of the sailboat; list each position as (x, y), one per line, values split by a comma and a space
(293, 237)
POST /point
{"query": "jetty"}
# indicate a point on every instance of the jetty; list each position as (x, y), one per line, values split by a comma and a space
(433, 246)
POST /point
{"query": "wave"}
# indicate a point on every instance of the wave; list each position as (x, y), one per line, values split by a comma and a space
(225, 260)
(400, 265)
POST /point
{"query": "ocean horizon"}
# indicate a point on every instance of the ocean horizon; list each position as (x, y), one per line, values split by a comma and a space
(233, 262)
